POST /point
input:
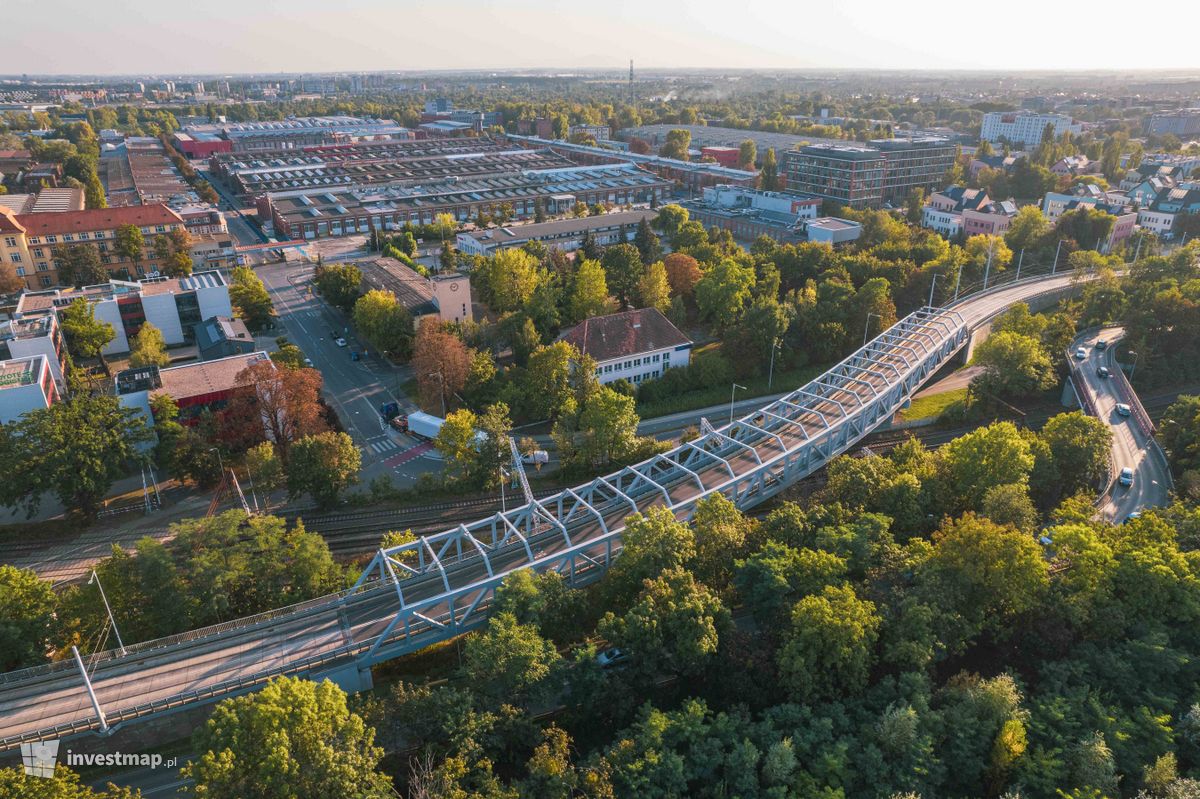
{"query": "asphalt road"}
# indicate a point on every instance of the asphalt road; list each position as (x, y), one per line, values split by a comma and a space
(355, 389)
(1132, 446)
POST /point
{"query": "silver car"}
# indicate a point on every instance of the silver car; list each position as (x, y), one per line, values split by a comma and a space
(1126, 477)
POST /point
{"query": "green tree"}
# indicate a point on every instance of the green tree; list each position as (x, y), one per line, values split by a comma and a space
(676, 145)
(653, 290)
(724, 291)
(989, 574)
(322, 465)
(508, 279)
(27, 620)
(1028, 229)
(1010, 504)
(769, 174)
(79, 265)
(747, 154)
(622, 270)
(589, 294)
(149, 348)
(1013, 365)
(989, 456)
(915, 205)
(607, 425)
(293, 738)
(548, 381)
(830, 645)
(74, 450)
(647, 242)
(543, 600)
(339, 283)
(1087, 227)
(65, 784)
(86, 335)
(1180, 435)
(509, 660)
(770, 580)
(652, 543)
(129, 243)
(456, 442)
(250, 298)
(673, 628)
(1079, 446)
(384, 323)
(264, 466)
(670, 219)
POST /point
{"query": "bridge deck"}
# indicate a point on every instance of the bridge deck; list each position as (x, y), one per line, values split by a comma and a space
(414, 595)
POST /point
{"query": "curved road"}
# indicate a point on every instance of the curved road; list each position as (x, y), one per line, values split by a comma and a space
(1133, 444)
(335, 633)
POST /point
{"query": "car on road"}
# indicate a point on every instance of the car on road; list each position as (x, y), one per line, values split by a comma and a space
(1137, 514)
(611, 658)
(1080, 353)
(341, 342)
(1102, 372)
(308, 362)
(1123, 409)
(1102, 345)
(1126, 477)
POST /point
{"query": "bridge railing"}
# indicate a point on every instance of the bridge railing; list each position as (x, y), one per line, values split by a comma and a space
(923, 341)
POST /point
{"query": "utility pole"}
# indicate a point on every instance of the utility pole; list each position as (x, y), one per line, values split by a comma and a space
(987, 271)
(1020, 260)
(1058, 249)
(1138, 251)
(931, 285)
(95, 578)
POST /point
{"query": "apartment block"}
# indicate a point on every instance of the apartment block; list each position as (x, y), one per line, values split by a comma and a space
(28, 241)
(1025, 128)
(174, 305)
(26, 384)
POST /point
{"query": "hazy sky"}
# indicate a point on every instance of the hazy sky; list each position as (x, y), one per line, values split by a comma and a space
(207, 36)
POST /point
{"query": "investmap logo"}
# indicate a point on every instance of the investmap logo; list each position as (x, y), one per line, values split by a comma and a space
(39, 758)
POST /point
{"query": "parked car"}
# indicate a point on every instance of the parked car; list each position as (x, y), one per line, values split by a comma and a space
(538, 457)
(308, 362)
(610, 658)
(1102, 345)
(1123, 409)
(1080, 353)
(1126, 478)
(341, 342)
(1103, 372)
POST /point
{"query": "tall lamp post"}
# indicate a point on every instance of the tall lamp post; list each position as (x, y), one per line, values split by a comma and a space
(732, 394)
(1135, 362)
(95, 578)
(867, 326)
(775, 343)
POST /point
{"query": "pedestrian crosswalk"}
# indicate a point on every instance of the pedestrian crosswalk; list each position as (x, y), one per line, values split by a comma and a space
(381, 446)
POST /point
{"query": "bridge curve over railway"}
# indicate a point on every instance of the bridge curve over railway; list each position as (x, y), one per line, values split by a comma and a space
(414, 595)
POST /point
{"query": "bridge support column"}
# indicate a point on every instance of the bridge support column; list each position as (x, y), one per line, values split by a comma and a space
(1069, 398)
(350, 677)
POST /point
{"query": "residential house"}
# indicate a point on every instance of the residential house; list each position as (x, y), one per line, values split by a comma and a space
(635, 345)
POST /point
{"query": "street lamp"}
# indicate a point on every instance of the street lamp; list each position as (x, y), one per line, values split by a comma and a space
(220, 460)
(95, 578)
(442, 388)
(503, 477)
(771, 372)
(867, 326)
(1135, 361)
(732, 394)
(931, 285)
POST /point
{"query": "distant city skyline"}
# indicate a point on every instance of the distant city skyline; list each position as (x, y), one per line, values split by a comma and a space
(222, 36)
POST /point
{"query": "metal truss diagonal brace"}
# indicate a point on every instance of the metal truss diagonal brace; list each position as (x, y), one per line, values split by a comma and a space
(718, 434)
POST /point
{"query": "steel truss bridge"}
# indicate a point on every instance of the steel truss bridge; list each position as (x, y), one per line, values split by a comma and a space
(439, 586)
